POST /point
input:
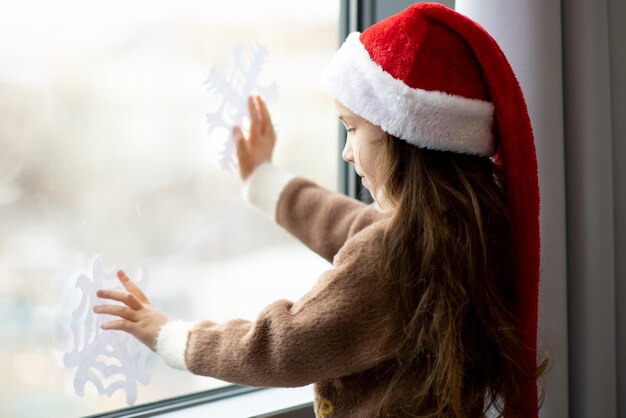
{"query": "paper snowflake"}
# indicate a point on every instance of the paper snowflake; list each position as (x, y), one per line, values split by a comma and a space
(234, 90)
(111, 360)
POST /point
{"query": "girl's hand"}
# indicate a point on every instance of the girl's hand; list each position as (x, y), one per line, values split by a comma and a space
(259, 146)
(139, 317)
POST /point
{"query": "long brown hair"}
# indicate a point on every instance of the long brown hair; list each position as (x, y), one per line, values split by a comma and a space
(448, 253)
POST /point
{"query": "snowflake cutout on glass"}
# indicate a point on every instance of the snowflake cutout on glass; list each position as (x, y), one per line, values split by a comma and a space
(111, 360)
(234, 91)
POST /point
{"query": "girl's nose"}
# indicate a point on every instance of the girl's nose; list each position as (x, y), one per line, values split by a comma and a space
(347, 153)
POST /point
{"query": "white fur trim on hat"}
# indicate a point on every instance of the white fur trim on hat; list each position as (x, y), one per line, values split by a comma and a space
(427, 119)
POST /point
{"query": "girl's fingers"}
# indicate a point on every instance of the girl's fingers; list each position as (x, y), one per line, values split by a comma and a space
(117, 310)
(240, 144)
(262, 115)
(254, 116)
(120, 324)
(238, 135)
(265, 112)
(121, 296)
(132, 287)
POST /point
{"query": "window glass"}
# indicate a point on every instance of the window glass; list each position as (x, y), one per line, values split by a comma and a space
(104, 149)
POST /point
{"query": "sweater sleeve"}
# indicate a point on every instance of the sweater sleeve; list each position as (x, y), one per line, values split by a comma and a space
(341, 326)
(321, 219)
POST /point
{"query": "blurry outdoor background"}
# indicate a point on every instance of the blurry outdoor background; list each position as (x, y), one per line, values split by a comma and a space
(104, 149)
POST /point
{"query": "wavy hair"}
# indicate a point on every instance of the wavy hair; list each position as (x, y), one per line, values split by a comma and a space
(448, 252)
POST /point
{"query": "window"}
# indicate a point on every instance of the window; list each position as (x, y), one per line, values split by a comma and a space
(104, 150)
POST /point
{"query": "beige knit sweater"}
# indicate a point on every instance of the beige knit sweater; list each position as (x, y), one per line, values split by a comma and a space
(337, 335)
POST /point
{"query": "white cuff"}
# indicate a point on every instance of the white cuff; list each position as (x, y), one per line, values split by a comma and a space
(264, 186)
(172, 342)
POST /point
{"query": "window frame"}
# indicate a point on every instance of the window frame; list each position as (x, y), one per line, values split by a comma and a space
(179, 402)
(211, 399)
(354, 15)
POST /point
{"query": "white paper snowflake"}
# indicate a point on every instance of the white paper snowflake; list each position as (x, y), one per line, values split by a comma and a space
(234, 90)
(111, 360)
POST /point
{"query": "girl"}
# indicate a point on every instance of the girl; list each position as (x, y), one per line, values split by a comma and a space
(431, 307)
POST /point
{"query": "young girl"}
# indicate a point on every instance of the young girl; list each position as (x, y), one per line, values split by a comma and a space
(431, 306)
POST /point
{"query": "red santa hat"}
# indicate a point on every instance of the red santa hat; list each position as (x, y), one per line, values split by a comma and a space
(436, 79)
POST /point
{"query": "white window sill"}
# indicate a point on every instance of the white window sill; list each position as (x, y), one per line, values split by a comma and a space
(262, 402)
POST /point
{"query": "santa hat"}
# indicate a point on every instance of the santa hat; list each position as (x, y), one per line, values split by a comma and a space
(438, 80)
